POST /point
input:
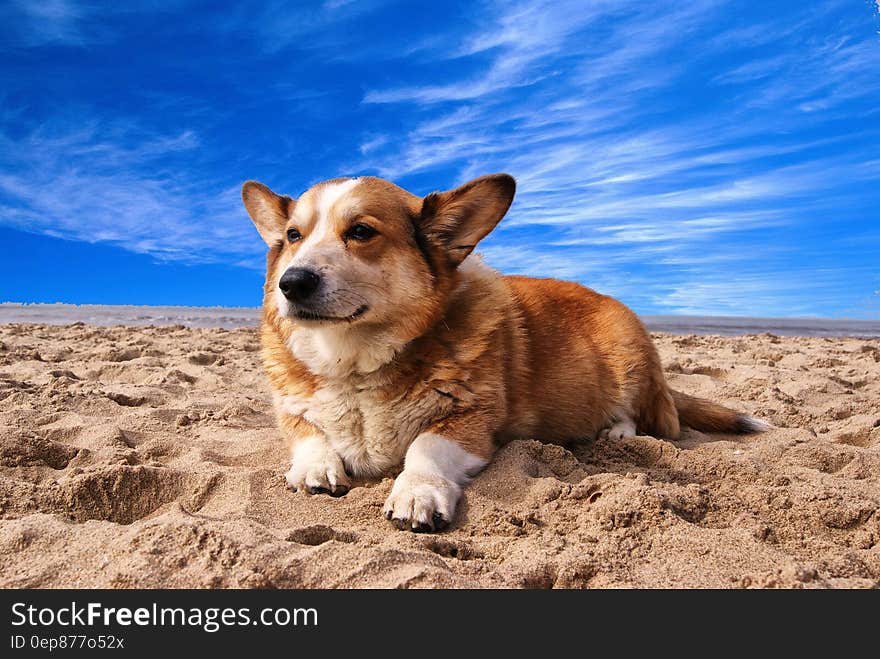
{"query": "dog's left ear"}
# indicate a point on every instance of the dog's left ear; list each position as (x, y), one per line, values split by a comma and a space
(459, 219)
(269, 211)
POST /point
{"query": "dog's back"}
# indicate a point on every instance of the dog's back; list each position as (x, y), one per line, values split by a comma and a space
(590, 362)
(589, 359)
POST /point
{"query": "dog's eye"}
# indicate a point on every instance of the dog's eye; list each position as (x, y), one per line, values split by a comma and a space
(293, 235)
(361, 232)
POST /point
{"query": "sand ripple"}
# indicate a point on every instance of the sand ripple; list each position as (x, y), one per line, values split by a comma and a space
(147, 457)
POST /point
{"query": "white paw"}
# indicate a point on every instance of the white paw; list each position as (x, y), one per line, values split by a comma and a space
(317, 469)
(620, 430)
(421, 502)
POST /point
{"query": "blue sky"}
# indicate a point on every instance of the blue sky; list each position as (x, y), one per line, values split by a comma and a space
(700, 157)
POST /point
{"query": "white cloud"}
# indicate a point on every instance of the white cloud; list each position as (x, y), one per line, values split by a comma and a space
(76, 23)
(119, 185)
(50, 21)
(522, 34)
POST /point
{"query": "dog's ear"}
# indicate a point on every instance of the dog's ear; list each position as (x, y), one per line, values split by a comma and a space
(268, 210)
(459, 219)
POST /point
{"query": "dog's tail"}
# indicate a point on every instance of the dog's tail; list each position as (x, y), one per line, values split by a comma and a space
(706, 416)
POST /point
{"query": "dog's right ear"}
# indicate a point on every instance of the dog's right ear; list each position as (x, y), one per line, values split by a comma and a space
(269, 211)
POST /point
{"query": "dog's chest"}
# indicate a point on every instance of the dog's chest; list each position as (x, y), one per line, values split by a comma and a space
(369, 429)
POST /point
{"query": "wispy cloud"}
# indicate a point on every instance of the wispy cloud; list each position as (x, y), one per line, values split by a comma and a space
(52, 21)
(758, 293)
(278, 25)
(74, 23)
(121, 185)
(521, 35)
(611, 163)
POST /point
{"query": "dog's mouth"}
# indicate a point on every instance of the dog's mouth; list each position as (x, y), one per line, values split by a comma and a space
(305, 314)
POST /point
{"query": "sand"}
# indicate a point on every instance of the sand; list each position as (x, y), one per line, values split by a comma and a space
(147, 457)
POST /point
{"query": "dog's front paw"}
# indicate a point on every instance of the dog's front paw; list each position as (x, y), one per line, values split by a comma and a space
(421, 502)
(620, 430)
(317, 469)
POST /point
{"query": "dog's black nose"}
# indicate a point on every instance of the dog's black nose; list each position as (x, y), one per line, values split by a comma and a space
(298, 283)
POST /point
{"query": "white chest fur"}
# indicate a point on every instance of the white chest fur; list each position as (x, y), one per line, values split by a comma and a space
(343, 351)
(369, 431)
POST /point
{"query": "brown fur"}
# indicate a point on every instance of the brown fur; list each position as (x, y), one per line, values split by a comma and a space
(483, 358)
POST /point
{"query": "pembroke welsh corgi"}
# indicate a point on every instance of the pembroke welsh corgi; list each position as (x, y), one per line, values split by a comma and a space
(386, 342)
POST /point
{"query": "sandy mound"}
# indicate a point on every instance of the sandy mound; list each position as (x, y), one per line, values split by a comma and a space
(147, 457)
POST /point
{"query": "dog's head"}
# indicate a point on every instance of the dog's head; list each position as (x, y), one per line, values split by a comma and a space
(363, 250)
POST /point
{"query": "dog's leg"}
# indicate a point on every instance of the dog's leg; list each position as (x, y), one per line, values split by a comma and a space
(315, 467)
(426, 492)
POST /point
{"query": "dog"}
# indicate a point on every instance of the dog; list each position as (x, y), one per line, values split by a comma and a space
(386, 342)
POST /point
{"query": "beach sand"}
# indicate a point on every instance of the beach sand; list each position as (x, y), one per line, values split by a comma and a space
(148, 457)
